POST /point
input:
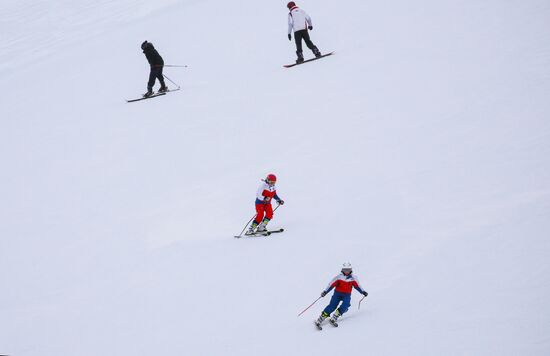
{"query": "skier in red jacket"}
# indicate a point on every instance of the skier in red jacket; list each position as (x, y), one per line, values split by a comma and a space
(264, 211)
(343, 284)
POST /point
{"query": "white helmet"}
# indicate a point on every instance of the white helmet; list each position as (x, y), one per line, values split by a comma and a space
(346, 267)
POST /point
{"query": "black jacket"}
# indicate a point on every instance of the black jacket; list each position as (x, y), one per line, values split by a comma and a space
(154, 58)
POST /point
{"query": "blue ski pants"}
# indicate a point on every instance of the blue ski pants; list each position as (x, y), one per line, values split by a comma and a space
(338, 297)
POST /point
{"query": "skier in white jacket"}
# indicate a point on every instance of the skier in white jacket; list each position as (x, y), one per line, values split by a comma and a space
(299, 22)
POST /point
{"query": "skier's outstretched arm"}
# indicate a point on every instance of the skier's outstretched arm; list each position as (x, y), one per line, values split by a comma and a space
(309, 22)
(327, 290)
(278, 199)
(358, 287)
(330, 286)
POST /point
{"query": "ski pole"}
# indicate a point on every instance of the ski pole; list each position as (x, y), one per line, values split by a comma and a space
(249, 221)
(309, 306)
(176, 65)
(171, 81)
(359, 306)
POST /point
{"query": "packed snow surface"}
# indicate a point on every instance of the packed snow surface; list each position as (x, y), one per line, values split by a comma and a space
(419, 152)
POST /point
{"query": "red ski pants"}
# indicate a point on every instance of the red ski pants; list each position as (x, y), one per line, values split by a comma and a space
(262, 209)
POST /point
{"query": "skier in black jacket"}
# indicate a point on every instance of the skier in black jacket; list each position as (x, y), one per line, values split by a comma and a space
(157, 63)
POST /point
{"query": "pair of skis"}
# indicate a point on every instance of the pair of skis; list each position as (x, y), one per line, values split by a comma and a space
(320, 326)
(152, 96)
(260, 233)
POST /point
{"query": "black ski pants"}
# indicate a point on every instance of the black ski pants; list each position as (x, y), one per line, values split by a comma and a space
(303, 34)
(156, 73)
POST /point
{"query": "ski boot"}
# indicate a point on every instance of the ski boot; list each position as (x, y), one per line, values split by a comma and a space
(148, 94)
(300, 57)
(263, 225)
(163, 89)
(334, 318)
(316, 52)
(251, 230)
(319, 321)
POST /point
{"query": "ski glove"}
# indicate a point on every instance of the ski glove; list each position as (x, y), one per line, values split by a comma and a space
(323, 293)
(310, 28)
(365, 293)
(289, 37)
(281, 202)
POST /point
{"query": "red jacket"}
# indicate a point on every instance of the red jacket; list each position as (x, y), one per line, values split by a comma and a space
(343, 284)
(265, 193)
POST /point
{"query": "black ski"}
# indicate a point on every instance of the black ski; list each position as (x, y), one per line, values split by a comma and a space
(335, 324)
(318, 325)
(263, 233)
(145, 97)
(152, 96)
(306, 61)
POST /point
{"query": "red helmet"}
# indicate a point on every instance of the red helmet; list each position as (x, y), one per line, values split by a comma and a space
(271, 178)
(291, 4)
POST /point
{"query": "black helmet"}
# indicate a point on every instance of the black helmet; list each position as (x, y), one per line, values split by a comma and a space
(145, 44)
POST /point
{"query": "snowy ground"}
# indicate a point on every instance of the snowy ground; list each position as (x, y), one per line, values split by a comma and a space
(419, 152)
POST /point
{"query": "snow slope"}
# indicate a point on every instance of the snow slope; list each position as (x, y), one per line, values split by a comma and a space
(419, 152)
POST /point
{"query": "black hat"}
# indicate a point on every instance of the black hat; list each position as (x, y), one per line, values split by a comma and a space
(145, 44)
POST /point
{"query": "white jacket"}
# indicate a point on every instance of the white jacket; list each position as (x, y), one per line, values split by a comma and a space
(298, 20)
(265, 190)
